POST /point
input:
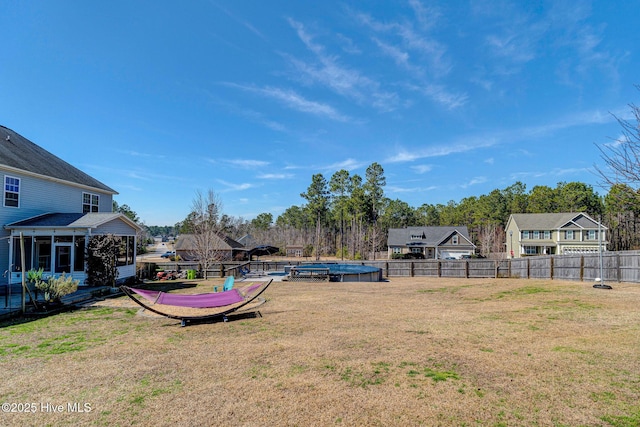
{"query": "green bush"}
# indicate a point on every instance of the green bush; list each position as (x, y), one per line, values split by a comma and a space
(56, 287)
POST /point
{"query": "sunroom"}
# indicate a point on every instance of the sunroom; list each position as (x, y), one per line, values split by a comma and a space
(57, 242)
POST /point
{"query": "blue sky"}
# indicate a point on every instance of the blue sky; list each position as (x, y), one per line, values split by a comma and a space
(160, 99)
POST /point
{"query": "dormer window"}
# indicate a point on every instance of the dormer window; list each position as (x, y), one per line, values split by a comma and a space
(90, 203)
(11, 192)
(418, 236)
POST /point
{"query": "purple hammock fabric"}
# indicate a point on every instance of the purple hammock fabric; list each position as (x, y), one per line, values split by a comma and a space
(218, 299)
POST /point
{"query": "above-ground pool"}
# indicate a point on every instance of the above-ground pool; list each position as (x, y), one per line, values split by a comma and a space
(336, 272)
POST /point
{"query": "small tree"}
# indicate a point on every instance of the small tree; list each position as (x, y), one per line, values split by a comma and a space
(621, 173)
(102, 252)
(204, 222)
(622, 157)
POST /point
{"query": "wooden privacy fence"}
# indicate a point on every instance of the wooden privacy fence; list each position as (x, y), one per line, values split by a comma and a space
(616, 267)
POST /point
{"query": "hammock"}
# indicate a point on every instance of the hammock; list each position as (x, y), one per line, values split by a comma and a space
(225, 302)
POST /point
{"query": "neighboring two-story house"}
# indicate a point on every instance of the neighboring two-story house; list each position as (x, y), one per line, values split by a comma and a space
(430, 242)
(50, 210)
(553, 234)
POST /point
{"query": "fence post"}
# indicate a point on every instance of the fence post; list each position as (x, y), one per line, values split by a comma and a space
(582, 268)
(466, 269)
(411, 270)
(551, 267)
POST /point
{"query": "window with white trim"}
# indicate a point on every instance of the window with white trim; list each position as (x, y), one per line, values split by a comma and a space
(568, 235)
(11, 191)
(547, 234)
(454, 239)
(90, 202)
(525, 234)
(536, 234)
(592, 235)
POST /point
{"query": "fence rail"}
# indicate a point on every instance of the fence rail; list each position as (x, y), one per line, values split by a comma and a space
(616, 267)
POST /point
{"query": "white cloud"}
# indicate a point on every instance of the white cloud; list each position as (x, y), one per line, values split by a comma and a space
(340, 79)
(276, 176)
(247, 163)
(295, 101)
(404, 155)
(399, 189)
(348, 164)
(234, 187)
(476, 180)
(442, 96)
(422, 168)
(428, 17)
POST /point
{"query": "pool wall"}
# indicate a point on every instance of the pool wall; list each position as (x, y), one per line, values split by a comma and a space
(335, 272)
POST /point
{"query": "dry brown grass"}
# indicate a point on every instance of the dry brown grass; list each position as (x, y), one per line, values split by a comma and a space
(414, 351)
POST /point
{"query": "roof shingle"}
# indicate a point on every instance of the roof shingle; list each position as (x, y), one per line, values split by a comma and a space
(19, 153)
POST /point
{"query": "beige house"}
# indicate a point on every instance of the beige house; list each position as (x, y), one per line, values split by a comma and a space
(553, 234)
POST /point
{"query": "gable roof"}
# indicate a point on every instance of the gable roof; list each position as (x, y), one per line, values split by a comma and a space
(430, 236)
(554, 221)
(17, 152)
(72, 220)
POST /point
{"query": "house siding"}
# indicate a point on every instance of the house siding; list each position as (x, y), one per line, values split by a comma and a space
(38, 196)
(50, 189)
(117, 227)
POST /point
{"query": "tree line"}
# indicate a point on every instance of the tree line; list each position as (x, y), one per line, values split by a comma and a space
(349, 216)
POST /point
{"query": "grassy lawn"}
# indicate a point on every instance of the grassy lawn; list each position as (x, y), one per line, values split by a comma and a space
(408, 352)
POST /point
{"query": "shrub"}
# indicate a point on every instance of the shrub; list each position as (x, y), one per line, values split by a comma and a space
(56, 287)
(102, 252)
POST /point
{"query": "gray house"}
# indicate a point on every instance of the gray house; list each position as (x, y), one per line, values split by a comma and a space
(430, 242)
(51, 209)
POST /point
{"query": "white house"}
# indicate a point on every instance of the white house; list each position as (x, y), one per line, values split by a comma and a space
(49, 211)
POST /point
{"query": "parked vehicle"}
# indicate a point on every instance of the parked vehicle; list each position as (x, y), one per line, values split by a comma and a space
(168, 254)
(413, 255)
